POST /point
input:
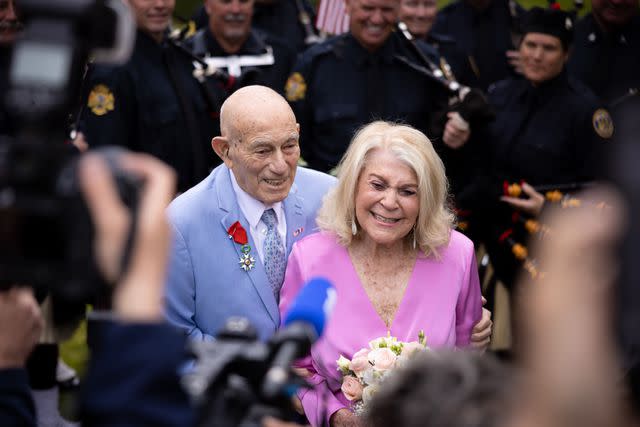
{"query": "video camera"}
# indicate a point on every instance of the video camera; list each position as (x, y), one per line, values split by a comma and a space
(238, 380)
(46, 232)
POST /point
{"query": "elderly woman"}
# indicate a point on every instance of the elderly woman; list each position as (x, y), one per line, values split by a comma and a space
(387, 244)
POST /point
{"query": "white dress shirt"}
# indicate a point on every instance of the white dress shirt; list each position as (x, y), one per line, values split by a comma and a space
(252, 210)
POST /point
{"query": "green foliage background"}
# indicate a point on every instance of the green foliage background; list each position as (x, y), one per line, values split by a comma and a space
(185, 8)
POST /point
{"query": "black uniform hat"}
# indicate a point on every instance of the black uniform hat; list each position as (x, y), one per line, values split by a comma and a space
(553, 22)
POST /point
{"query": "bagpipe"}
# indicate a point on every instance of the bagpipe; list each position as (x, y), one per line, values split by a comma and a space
(561, 196)
(311, 34)
(203, 72)
(469, 104)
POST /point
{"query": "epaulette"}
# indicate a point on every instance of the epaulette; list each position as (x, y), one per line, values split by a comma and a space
(333, 44)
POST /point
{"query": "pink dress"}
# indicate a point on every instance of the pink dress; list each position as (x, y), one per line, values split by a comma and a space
(442, 298)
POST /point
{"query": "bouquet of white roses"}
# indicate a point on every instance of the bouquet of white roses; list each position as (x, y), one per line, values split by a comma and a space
(361, 376)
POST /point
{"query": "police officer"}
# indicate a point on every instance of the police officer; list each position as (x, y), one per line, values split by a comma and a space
(369, 72)
(487, 31)
(290, 20)
(249, 56)
(548, 130)
(419, 17)
(605, 58)
(605, 53)
(152, 103)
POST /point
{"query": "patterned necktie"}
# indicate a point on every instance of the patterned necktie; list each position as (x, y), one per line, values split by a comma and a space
(275, 261)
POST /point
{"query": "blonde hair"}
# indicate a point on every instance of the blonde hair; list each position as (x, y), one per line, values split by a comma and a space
(435, 220)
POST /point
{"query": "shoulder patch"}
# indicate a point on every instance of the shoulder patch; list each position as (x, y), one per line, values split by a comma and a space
(602, 123)
(296, 87)
(101, 100)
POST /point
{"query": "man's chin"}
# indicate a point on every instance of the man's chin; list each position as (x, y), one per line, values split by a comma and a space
(272, 196)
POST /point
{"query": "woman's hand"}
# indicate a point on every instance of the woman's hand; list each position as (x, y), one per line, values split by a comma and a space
(531, 205)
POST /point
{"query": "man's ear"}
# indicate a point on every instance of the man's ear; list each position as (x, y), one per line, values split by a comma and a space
(221, 145)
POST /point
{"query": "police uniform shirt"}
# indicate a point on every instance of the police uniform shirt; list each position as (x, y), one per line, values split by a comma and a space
(282, 19)
(546, 135)
(333, 93)
(203, 44)
(6, 123)
(138, 106)
(484, 36)
(609, 64)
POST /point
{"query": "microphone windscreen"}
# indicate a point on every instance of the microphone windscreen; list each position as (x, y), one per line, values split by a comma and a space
(313, 305)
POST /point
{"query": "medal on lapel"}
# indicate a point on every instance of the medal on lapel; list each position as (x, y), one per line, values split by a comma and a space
(239, 235)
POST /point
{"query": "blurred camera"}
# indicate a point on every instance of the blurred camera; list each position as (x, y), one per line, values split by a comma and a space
(46, 232)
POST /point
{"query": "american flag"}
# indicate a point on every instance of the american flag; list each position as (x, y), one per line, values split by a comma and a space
(332, 17)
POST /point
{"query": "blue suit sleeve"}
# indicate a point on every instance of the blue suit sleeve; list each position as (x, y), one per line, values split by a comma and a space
(181, 290)
(16, 405)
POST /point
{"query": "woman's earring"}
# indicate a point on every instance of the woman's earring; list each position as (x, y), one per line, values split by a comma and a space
(414, 237)
(354, 228)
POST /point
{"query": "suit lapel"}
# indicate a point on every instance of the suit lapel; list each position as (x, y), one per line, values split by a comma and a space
(294, 212)
(232, 213)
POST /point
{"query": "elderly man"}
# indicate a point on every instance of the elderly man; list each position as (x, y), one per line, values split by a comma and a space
(259, 198)
(234, 230)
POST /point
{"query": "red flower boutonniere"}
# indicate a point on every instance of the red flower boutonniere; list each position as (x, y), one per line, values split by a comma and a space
(239, 235)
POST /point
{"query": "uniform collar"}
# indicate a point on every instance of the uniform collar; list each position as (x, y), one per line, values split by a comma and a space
(361, 56)
(148, 46)
(549, 87)
(252, 46)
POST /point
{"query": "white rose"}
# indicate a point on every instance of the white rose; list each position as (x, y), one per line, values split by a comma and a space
(368, 393)
(382, 359)
(344, 364)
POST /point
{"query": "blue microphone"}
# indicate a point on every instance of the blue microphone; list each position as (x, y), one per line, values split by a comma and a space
(303, 325)
(313, 304)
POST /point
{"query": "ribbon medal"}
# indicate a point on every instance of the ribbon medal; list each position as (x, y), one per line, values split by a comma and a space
(239, 235)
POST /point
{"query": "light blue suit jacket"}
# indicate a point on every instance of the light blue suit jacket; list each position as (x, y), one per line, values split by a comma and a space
(206, 284)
